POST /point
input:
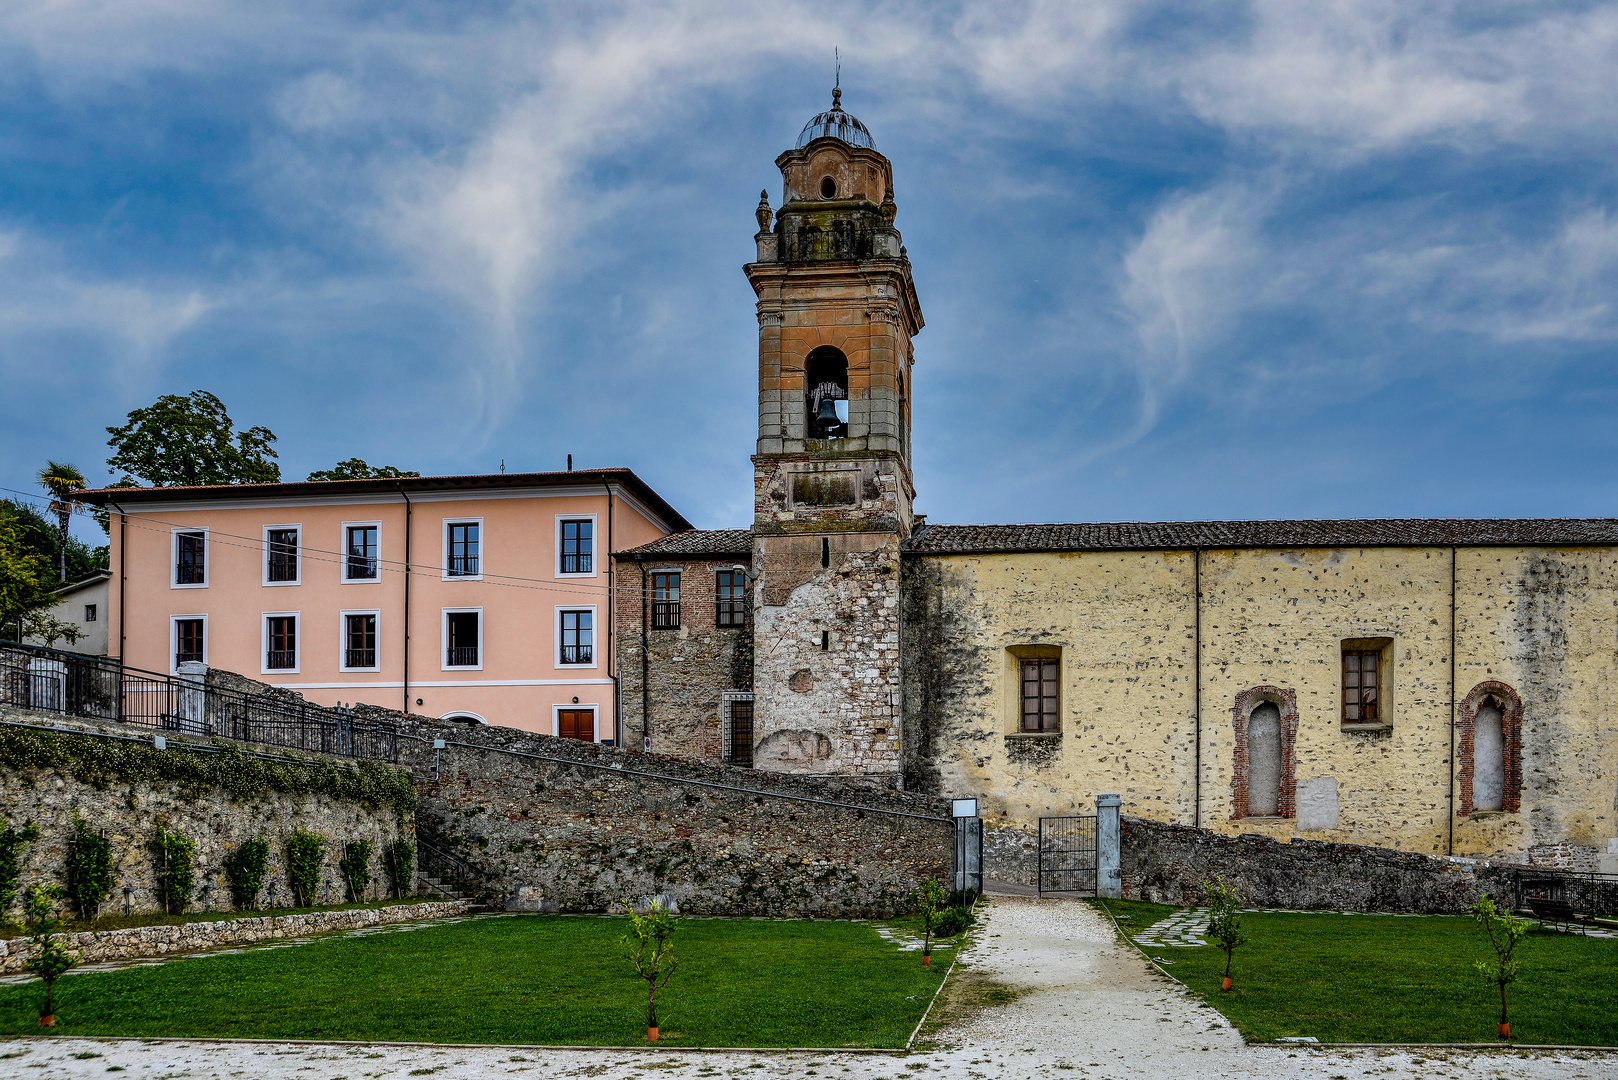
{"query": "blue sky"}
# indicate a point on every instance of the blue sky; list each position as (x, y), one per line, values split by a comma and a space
(1203, 260)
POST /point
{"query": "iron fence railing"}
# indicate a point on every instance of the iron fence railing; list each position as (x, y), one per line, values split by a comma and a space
(461, 656)
(665, 614)
(359, 658)
(281, 659)
(577, 654)
(68, 684)
(453, 873)
(1067, 854)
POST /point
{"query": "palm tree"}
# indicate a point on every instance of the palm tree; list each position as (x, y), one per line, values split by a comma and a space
(62, 480)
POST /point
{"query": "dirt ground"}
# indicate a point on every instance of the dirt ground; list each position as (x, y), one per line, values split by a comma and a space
(1044, 988)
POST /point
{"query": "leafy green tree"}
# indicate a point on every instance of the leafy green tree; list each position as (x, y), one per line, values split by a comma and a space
(1505, 931)
(356, 867)
(1224, 920)
(244, 870)
(179, 441)
(89, 869)
(399, 858)
(13, 841)
(21, 590)
(356, 469)
(649, 945)
(932, 902)
(62, 481)
(176, 872)
(38, 534)
(51, 958)
(304, 849)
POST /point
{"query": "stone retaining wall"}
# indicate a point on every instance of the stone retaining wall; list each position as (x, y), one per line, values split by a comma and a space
(1168, 863)
(132, 943)
(216, 820)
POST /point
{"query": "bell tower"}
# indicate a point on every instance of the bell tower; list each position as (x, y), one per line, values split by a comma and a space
(833, 489)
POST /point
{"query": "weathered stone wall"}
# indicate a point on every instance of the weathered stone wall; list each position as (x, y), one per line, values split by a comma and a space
(128, 813)
(690, 668)
(104, 946)
(826, 661)
(588, 838)
(1168, 864)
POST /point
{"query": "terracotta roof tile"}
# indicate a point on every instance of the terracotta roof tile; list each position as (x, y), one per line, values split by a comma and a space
(699, 542)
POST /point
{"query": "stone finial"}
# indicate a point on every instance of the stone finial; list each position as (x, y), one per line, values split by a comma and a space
(890, 209)
(764, 213)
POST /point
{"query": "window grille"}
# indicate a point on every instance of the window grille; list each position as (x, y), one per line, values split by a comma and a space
(666, 601)
(189, 554)
(283, 554)
(187, 641)
(1041, 685)
(462, 642)
(361, 563)
(731, 598)
(359, 641)
(737, 730)
(578, 637)
(463, 549)
(282, 654)
(578, 547)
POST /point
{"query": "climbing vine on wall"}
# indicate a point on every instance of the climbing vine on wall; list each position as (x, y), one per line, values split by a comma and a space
(12, 842)
(303, 865)
(101, 763)
(244, 870)
(89, 869)
(356, 867)
(175, 875)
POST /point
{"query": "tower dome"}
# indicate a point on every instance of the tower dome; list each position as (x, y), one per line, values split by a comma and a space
(837, 124)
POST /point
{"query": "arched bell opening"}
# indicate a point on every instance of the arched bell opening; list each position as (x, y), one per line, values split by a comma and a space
(826, 402)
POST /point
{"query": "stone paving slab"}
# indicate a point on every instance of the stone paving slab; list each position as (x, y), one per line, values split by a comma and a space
(1090, 1007)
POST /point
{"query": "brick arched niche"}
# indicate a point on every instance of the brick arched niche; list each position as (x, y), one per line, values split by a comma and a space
(1285, 718)
(1486, 698)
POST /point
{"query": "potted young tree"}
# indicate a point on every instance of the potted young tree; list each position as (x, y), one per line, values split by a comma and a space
(51, 957)
(1505, 931)
(649, 945)
(1224, 921)
(932, 902)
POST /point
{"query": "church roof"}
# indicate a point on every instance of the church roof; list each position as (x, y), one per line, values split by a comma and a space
(697, 543)
(1185, 535)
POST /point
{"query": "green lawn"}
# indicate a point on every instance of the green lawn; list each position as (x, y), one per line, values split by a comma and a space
(527, 979)
(1381, 978)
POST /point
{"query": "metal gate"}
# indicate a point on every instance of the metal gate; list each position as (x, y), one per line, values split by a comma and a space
(1067, 855)
(969, 858)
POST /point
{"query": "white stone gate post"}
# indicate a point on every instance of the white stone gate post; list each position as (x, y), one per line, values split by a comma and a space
(1109, 864)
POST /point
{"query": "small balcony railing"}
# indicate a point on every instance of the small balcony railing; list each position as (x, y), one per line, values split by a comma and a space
(283, 567)
(577, 654)
(576, 564)
(360, 568)
(359, 658)
(731, 613)
(280, 659)
(463, 566)
(462, 656)
(188, 656)
(665, 614)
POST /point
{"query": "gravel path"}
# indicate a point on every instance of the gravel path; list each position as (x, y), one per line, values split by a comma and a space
(1089, 1007)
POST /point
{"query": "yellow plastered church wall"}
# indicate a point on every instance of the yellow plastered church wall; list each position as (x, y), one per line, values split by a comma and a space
(1279, 618)
(1123, 622)
(1544, 621)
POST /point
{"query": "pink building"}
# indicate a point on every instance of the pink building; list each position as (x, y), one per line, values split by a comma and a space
(503, 616)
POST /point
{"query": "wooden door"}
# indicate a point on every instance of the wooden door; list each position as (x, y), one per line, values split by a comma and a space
(576, 724)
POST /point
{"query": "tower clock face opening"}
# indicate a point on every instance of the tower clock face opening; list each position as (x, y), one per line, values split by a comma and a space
(828, 188)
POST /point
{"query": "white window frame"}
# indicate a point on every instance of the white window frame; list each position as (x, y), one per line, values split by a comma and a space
(264, 564)
(443, 555)
(464, 714)
(174, 557)
(264, 642)
(595, 638)
(342, 548)
(595, 714)
(443, 633)
(342, 638)
(595, 557)
(174, 638)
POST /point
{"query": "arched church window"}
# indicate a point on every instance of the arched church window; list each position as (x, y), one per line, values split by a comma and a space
(1488, 756)
(1264, 760)
(826, 400)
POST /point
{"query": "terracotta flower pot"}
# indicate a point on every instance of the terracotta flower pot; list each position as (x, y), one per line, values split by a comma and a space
(926, 960)
(1226, 984)
(1505, 1031)
(47, 1020)
(651, 1034)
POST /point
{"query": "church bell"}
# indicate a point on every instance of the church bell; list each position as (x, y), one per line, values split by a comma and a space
(828, 413)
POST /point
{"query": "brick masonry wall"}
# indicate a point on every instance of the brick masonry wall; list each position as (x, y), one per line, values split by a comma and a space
(216, 820)
(104, 946)
(689, 668)
(588, 838)
(1168, 863)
